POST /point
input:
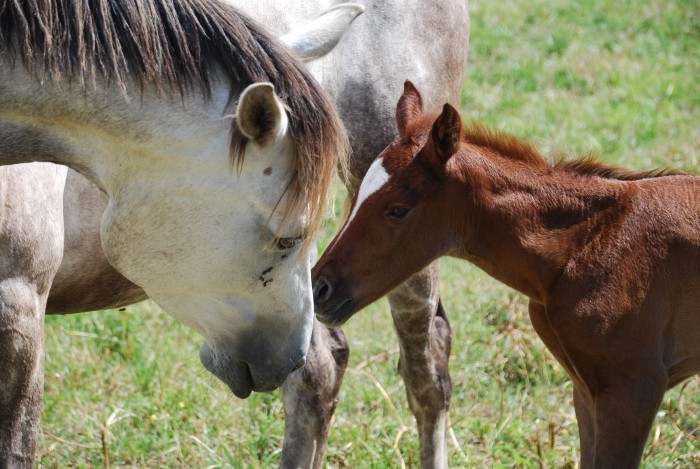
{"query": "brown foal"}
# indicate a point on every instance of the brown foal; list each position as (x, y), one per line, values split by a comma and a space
(609, 259)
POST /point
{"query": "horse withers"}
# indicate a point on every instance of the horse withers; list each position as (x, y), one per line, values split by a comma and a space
(608, 258)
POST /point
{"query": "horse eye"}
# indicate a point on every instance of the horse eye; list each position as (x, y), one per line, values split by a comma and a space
(398, 213)
(285, 244)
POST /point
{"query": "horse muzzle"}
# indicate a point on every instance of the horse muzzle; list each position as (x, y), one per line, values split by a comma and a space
(242, 377)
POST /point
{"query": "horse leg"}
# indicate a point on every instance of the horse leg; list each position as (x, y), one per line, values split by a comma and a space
(31, 236)
(425, 338)
(22, 382)
(624, 412)
(310, 396)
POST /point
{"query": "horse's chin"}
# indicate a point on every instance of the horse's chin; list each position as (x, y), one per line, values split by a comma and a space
(234, 373)
(338, 313)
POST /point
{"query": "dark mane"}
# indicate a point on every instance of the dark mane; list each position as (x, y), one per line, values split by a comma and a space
(588, 166)
(178, 46)
(159, 43)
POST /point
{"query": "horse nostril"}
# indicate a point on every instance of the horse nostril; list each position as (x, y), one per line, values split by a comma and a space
(322, 290)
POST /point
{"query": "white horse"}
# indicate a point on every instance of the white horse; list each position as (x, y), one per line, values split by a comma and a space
(206, 212)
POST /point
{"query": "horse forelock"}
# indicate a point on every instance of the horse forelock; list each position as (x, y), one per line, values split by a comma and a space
(174, 46)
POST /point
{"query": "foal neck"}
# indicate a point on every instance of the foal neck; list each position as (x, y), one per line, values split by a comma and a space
(527, 220)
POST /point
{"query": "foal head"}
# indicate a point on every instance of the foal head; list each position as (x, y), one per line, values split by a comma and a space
(400, 218)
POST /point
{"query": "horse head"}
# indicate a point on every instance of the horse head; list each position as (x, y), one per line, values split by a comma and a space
(211, 244)
(215, 149)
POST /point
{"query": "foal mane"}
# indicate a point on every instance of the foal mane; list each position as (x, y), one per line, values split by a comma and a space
(588, 166)
(510, 147)
(503, 144)
(178, 46)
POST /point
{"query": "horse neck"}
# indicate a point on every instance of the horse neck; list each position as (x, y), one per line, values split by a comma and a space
(525, 223)
(103, 131)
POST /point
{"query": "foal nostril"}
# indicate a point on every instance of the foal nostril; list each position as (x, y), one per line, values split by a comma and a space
(299, 364)
(322, 290)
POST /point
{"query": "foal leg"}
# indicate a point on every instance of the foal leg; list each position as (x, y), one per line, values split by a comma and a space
(624, 412)
(22, 376)
(585, 417)
(310, 396)
(425, 338)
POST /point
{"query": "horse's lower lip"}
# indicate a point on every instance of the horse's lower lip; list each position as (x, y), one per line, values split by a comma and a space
(265, 387)
(244, 384)
(336, 314)
(235, 374)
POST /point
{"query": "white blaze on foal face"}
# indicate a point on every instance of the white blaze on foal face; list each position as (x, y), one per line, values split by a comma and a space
(374, 180)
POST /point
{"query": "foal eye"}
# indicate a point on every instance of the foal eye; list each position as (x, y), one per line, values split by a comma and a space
(398, 213)
(285, 244)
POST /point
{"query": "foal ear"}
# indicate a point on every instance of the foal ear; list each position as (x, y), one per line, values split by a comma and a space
(409, 107)
(446, 133)
(260, 115)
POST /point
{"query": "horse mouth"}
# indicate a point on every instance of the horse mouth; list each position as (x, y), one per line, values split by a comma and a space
(235, 374)
(243, 385)
(336, 314)
(239, 376)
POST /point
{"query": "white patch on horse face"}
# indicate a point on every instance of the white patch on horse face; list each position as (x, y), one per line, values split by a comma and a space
(374, 180)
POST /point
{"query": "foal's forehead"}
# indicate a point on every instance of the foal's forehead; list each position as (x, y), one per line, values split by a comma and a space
(391, 162)
(374, 179)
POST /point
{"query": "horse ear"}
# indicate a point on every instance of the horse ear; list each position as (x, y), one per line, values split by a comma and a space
(446, 133)
(319, 36)
(260, 115)
(409, 107)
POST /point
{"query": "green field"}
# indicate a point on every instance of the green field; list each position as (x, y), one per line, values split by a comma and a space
(620, 79)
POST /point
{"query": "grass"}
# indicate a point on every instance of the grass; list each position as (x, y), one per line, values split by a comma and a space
(618, 79)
